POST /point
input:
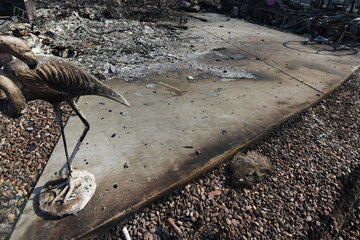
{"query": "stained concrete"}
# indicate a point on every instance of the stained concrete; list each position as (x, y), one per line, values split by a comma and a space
(173, 134)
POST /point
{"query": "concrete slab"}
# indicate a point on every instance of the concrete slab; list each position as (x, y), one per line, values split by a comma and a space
(284, 51)
(182, 128)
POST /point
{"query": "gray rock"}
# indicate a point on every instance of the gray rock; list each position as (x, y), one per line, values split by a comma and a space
(196, 8)
(12, 203)
(148, 236)
(5, 229)
(250, 169)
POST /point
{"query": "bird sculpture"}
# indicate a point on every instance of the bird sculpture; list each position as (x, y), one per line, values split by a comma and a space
(54, 80)
(11, 46)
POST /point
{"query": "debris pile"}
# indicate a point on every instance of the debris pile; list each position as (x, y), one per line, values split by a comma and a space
(105, 47)
(332, 23)
(328, 22)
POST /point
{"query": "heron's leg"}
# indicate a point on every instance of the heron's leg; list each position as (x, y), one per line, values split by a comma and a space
(77, 110)
(69, 187)
(58, 114)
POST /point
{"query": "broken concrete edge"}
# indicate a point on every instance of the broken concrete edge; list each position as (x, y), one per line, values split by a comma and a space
(213, 163)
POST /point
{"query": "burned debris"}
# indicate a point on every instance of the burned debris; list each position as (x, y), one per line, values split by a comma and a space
(98, 36)
(98, 22)
(330, 22)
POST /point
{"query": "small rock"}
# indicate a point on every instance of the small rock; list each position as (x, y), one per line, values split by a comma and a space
(247, 170)
(151, 85)
(11, 217)
(228, 221)
(148, 236)
(212, 194)
(5, 228)
(234, 222)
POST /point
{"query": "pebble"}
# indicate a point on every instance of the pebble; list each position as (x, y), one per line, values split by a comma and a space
(228, 221)
(148, 236)
(5, 229)
(11, 217)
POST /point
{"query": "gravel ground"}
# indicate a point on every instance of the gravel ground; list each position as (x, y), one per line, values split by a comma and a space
(25, 145)
(312, 156)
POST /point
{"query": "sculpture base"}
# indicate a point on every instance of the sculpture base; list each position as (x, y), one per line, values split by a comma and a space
(84, 188)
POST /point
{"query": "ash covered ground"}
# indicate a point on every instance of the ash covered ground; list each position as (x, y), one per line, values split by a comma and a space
(313, 157)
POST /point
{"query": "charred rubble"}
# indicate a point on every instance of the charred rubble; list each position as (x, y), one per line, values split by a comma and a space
(107, 38)
(331, 22)
(328, 22)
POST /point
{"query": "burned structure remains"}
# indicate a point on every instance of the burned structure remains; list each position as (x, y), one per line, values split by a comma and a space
(330, 22)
